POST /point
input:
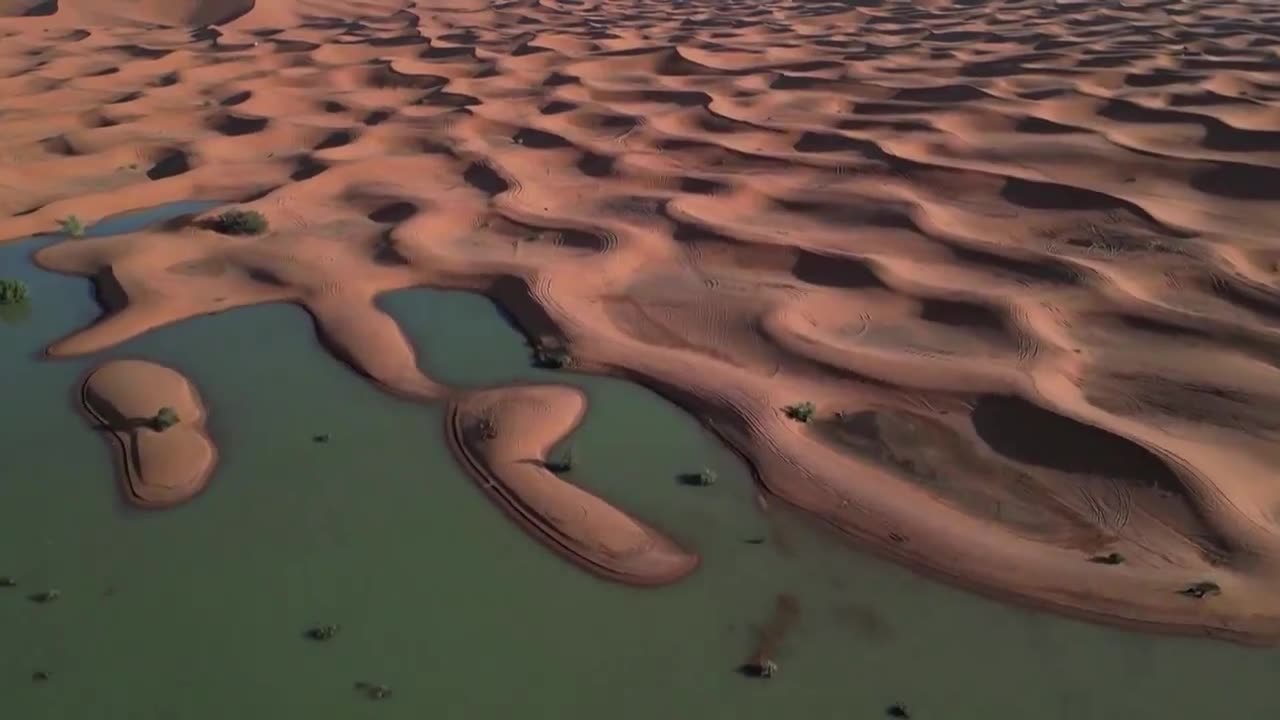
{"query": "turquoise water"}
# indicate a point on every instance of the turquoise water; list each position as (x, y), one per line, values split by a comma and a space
(198, 612)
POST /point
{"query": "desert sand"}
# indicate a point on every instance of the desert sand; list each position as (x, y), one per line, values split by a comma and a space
(158, 468)
(497, 433)
(1020, 255)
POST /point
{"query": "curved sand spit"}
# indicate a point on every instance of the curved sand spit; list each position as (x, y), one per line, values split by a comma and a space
(503, 435)
(157, 468)
(1021, 255)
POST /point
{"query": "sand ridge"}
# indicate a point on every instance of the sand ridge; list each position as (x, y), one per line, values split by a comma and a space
(1020, 255)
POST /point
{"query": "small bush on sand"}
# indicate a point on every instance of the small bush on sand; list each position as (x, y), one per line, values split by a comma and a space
(240, 222)
(801, 412)
(562, 462)
(13, 292)
(1114, 558)
(71, 226)
(1201, 589)
(166, 418)
(551, 358)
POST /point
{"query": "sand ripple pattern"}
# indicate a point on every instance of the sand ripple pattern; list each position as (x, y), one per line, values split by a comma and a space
(1020, 254)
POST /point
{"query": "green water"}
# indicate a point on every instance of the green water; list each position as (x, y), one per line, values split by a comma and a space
(197, 613)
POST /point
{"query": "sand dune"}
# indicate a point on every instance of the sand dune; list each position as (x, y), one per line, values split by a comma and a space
(159, 466)
(503, 436)
(1020, 254)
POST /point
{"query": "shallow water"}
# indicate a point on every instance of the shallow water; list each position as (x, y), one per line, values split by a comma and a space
(198, 612)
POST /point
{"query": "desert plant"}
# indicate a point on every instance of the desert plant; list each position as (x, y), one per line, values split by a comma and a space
(240, 222)
(322, 632)
(703, 478)
(374, 691)
(1201, 589)
(166, 418)
(46, 596)
(1114, 558)
(71, 226)
(13, 292)
(551, 358)
(562, 462)
(801, 412)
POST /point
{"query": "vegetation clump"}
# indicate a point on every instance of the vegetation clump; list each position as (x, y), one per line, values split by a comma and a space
(240, 222)
(46, 596)
(13, 292)
(764, 668)
(705, 477)
(1114, 558)
(1201, 589)
(801, 412)
(166, 418)
(320, 438)
(551, 358)
(562, 462)
(39, 676)
(8, 582)
(322, 633)
(72, 226)
(897, 710)
(374, 691)
(486, 429)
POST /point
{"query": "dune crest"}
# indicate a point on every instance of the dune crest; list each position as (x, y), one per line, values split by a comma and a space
(156, 420)
(1020, 255)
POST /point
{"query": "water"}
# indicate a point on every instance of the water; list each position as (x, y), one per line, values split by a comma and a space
(198, 612)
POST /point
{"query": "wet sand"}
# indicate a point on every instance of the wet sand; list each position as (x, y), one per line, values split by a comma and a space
(159, 467)
(1019, 255)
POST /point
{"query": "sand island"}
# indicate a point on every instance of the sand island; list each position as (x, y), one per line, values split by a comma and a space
(156, 421)
(991, 288)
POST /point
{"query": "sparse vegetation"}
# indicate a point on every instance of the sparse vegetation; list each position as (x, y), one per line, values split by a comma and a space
(40, 676)
(240, 222)
(486, 429)
(8, 582)
(1201, 589)
(1114, 558)
(72, 226)
(551, 358)
(764, 668)
(703, 478)
(166, 418)
(13, 292)
(801, 412)
(322, 633)
(374, 691)
(45, 597)
(320, 438)
(562, 462)
(897, 710)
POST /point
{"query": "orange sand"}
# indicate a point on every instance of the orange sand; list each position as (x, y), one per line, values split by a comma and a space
(524, 422)
(1024, 250)
(158, 469)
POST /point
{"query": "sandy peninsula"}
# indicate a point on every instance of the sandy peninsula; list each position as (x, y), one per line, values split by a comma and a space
(155, 420)
(503, 437)
(1019, 255)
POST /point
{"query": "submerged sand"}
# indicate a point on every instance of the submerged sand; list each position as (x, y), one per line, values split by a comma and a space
(1020, 255)
(159, 467)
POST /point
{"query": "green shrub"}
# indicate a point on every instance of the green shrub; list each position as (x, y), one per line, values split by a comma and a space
(240, 222)
(551, 358)
(71, 226)
(13, 292)
(801, 412)
(1114, 558)
(166, 418)
(562, 462)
